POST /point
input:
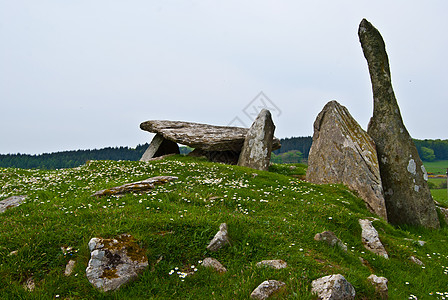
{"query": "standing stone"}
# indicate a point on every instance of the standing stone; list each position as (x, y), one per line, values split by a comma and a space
(333, 287)
(160, 146)
(370, 238)
(257, 147)
(407, 196)
(342, 152)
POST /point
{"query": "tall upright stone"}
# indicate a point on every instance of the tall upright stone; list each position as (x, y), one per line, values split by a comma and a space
(342, 152)
(257, 147)
(404, 178)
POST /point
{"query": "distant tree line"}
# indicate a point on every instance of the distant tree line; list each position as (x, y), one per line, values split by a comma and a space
(430, 150)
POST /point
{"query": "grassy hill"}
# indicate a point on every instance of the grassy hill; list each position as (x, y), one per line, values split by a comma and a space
(270, 215)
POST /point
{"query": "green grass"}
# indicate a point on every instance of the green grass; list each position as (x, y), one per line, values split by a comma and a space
(436, 167)
(270, 215)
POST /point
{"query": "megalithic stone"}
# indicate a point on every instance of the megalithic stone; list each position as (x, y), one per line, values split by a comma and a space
(407, 196)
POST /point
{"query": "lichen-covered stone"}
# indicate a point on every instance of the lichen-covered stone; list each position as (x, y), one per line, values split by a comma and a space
(333, 287)
(11, 202)
(159, 146)
(273, 263)
(135, 187)
(257, 148)
(266, 289)
(370, 238)
(331, 239)
(342, 152)
(114, 262)
(380, 284)
(210, 262)
(407, 196)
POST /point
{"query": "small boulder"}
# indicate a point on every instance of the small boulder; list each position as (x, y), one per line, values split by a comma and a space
(210, 262)
(114, 262)
(29, 285)
(11, 202)
(370, 238)
(331, 239)
(380, 284)
(220, 239)
(417, 261)
(333, 287)
(257, 147)
(266, 289)
(69, 267)
(275, 264)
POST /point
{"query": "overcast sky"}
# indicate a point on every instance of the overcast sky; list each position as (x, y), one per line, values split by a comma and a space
(84, 74)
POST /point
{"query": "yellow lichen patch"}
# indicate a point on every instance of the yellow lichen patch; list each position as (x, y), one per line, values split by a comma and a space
(126, 241)
(109, 274)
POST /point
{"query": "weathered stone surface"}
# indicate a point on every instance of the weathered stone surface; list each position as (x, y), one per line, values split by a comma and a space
(135, 187)
(274, 263)
(342, 152)
(227, 157)
(333, 287)
(29, 284)
(220, 239)
(407, 196)
(159, 146)
(417, 261)
(266, 289)
(370, 238)
(210, 262)
(331, 239)
(380, 284)
(69, 267)
(114, 262)
(202, 136)
(11, 202)
(257, 147)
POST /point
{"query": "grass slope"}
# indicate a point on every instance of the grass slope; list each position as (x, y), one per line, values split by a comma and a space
(270, 215)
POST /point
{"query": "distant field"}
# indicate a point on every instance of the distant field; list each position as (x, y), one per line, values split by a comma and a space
(436, 167)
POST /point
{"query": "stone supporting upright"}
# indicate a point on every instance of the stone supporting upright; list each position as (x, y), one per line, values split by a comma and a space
(407, 196)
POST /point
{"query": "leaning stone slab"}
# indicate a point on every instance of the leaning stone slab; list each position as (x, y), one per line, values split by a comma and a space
(274, 263)
(220, 239)
(159, 146)
(257, 147)
(380, 284)
(342, 152)
(201, 136)
(210, 262)
(404, 178)
(11, 202)
(266, 289)
(114, 262)
(331, 239)
(333, 287)
(370, 238)
(135, 187)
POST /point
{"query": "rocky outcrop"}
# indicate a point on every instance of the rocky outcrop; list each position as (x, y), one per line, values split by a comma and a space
(331, 239)
(333, 287)
(114, 262)
(257, 147)
(210, 262)
(273, 263)
(220, 239)
(342, 152)
(380, 284)
(266, 289)
(135, 187)
(370, 238)
(159, 146)
(11, 202)
(407, 196)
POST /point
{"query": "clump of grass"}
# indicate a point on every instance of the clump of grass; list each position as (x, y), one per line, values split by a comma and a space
(270, 215)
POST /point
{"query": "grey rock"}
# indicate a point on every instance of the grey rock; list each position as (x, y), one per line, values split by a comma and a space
(274, 263)
(333, 287)
(417, 261)
(266, 289)
(370, 238)
(210, 262)
(342, 152)
(135, 187)
(29, 285)
(159, 146)
(257, 147)
(69, 267)
(380, 284)
(11, 202)
(404, 178)
(220, 239)
(114, 262)
(202, 136)
(331, 239)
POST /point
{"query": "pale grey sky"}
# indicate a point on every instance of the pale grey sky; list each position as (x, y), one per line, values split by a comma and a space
(84, 74)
